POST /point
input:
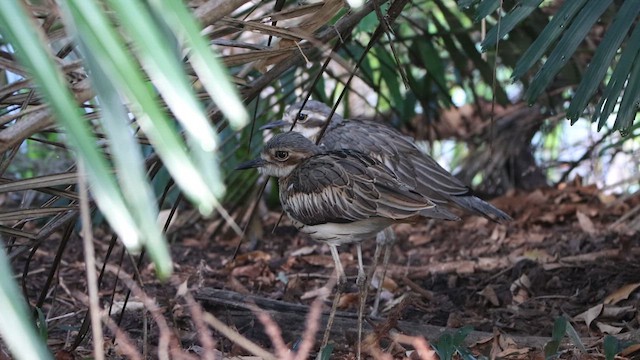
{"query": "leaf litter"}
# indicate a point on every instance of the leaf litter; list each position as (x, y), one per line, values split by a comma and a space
(559, 258)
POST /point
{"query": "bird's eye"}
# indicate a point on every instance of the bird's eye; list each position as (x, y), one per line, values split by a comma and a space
(281, 155)
(302, 117)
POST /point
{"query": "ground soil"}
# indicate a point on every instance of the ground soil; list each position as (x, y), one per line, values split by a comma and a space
(562, 256)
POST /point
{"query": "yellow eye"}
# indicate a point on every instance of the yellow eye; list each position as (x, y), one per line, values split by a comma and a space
(281, 155)
(302, 117)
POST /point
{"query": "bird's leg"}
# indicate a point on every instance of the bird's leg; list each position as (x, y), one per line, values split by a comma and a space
(386, 239)
(342, 277)
(363, 287)
(340, 286)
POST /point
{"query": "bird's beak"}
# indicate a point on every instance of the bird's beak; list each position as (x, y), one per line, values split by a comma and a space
(257, 162)
(274, 124)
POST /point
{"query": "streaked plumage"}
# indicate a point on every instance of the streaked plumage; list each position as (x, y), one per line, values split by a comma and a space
(398, 152)
(340, 196)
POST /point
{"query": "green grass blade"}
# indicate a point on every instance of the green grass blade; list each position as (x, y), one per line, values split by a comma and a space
(548, 35)
(485, 8)
(31, 52)
(130, 165)
(575, 337)
(559, 329)
(165, 70)
(611, 347)
(16, 328)
(119, 64)
(509, 21)
(630, 101)
(618, 79)
(625, 17)
(210, 70)
(567, 45)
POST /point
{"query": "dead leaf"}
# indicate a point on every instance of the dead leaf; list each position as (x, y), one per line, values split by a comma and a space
(62, 355)
(520, 289)
(251, 258)
(522, 282)
(305, 250)
(512, 351)
(585, 223)
(549, 218)
(621, 294)
(630, 350)
(499, 233)
(389, 284)
(539, 256)
(490, 294)
(348, 300)
(617, 312)
(117, 306)
(319, 292)
(520, 296)
(250, 271)
(590, 315)
(608, 329)
(536, 197)
(395, 302)
(182, 289)
(419, 239)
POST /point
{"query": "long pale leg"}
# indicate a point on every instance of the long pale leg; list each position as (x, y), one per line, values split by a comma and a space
(363, 288)
(341, 283)
(386, 239)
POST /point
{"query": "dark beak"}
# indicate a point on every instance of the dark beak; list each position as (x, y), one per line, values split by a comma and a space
(257, 162)
(274, 124)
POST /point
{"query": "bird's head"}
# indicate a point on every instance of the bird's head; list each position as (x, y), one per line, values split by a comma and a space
(310, 119)
(283, 153)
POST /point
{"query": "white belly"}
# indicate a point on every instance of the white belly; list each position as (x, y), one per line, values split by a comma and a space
(345, 233)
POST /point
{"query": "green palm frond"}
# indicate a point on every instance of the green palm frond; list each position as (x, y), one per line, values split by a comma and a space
(612, 64)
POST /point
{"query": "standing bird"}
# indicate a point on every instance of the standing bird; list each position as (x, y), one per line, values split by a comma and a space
(399, 153)
(339, 196)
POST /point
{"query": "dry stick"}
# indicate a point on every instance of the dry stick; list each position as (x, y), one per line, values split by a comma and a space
(494, 79)
(418, 342)
(152, 307)
(332, 312)
(313, 321)
(90, 263)
(237, 338)
(273, 331)
(365, 293)
(124, 342)
(574, 164)
(385, 28)
(204, 335)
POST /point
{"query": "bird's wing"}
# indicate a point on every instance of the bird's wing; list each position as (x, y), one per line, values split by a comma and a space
(411, 166)
(347, 186)
(400, 154)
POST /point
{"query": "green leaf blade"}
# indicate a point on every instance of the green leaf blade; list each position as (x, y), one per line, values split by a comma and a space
(548, 35)
(509, 21)
(566, 46)
(600, 62)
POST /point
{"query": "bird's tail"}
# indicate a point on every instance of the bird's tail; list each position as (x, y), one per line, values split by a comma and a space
(481, 207)
(439, 212)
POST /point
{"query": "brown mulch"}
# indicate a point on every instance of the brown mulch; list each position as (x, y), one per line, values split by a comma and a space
(560, 257)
